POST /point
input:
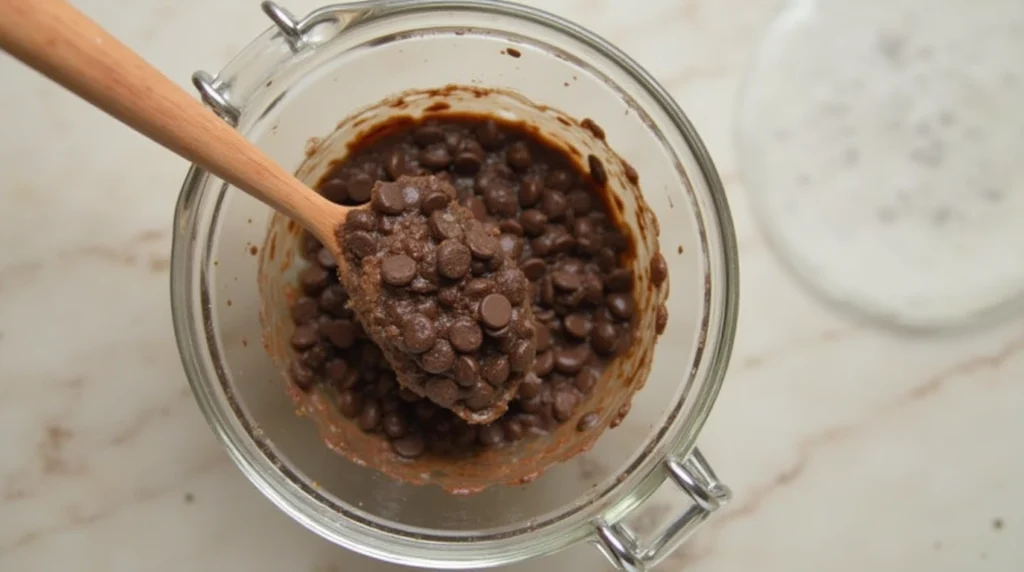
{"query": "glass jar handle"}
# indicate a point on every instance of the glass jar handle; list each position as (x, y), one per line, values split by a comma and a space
(696, 478)
(298, 33)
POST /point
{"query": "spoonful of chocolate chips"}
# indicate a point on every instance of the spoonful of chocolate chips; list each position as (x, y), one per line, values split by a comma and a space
(434, 289)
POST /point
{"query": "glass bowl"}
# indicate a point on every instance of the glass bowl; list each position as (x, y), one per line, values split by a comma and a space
(285, 92)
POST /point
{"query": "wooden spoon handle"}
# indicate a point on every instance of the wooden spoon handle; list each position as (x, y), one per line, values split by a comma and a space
(72, 50)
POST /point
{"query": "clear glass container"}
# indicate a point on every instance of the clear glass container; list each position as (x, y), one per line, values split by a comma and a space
(285, 92)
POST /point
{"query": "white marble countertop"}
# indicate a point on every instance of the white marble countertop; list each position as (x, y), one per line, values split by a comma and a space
(847, 448)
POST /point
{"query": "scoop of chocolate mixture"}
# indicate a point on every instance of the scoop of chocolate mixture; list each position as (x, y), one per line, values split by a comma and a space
(435, 290)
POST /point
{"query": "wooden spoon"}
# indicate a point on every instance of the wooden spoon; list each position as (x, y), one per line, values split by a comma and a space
(72, 50)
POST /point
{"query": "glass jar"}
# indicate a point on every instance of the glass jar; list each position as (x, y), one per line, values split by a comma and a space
(284, 92)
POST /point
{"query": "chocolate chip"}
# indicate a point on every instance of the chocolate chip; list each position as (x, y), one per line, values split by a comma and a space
(554, 204)
(604, 338)
(304, 337)
(521, 355)
(453, 259)
(543, 338)
(480, 397)
(607, 260)
(478, 288)
(387, 225)
(621, 305)
(465, 335)
(443, 225)
(360, 219)
(448, 296)
(360, 187)
(571, 359)
(350, 379)
(394, 163)
(410, 447)
(370, 416)
(350, 404)
(533, 268)
(481, 244)
(501, 200)
(336, 371)
(398, 270)
(661, 319)
(561, 241)
(407, 396)
(489, 134)
(442, 391)
(302, 376)
(544, 363)
(547, 291)
(566, 281)
(532, 405)
(435, 157)
(495, 370)
(421, 285)
(492, 436)
(587, 422)
(412, 196)
(559, 180)
(313, 279)
(468, 162)
(580, 203)
(619, 280)
(512, 285)
(534, 222)
(341, 333)
(511, 245)
(530, 386)
(543, 245)
(334, 190)
(418, 333)
(564, 404)
(511, 226)
(315, 356)
(394, 425)
(388, 199)
(518, 156)
(427, 135)
(426, 410)
(467, 371)
(477, 207)
(361, 244)
(597, 171)
(495, 311)
(659, 269)
(326, 259)
(530, 191)
(309, 246)
(514, 430)
(434, 201)
(439, 358)
(304, 310)
(576, 325)
(586, 379)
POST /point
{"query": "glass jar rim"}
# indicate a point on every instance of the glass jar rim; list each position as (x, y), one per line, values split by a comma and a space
(676, 437)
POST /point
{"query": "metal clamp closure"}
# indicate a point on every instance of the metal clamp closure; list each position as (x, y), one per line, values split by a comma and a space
(696, 478)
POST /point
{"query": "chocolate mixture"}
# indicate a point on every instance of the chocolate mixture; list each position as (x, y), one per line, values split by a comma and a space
(547, 215)
(443, 300)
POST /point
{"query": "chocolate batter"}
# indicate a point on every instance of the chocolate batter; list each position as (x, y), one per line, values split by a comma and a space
(546, 214)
